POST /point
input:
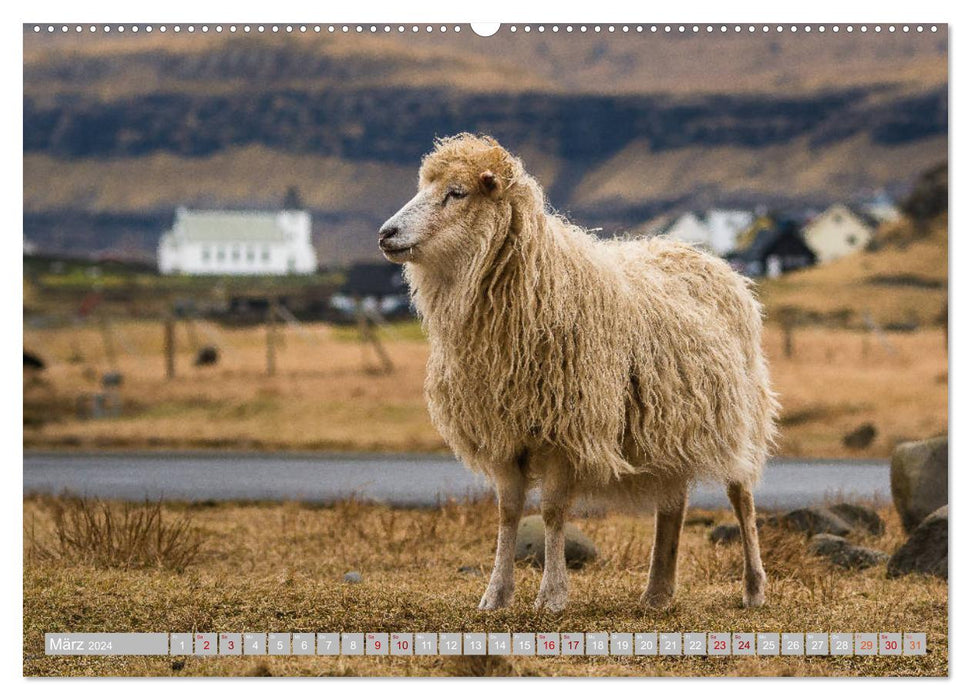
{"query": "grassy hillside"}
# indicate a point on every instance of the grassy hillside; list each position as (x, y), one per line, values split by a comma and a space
(590, 62)
(120, 129)
(902, 282)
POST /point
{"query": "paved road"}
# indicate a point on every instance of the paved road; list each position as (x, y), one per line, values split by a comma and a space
(396, 479)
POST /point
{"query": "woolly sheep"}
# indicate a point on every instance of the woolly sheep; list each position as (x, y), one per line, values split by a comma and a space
(614, 370)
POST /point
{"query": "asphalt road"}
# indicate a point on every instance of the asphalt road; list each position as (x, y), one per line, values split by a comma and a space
(397, 479)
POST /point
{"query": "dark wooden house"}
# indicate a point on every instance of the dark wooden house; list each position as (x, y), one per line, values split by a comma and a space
(775, 250)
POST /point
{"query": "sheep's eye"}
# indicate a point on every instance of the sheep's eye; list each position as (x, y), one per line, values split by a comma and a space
(454, 194)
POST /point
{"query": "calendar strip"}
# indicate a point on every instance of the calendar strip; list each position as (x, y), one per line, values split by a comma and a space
(488, 643)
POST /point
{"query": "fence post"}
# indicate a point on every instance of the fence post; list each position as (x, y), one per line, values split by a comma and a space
(271, 338)
(169, 344)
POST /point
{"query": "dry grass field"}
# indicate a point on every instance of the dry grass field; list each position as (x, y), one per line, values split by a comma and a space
(279, 567)
(903, 282)
(326, 394)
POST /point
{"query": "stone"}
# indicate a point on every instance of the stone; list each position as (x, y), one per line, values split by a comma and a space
(859, 517)
(732, 532)
(353, 577)
(531, 543)
(844, 553)
(861, 438)
(926, 550)
(725, 533)
(815, 520)
(838, 520)
(918, 479)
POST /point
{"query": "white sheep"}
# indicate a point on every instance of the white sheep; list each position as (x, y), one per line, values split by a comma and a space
(603, 369)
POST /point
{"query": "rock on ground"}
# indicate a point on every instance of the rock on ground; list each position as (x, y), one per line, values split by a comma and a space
(531, 543)
(844, 553)
(918, 479)
(816, 520)
(860, 438)
(861, 517)
(926, 550)
(732, 532)
(839, 520)
(353, 577)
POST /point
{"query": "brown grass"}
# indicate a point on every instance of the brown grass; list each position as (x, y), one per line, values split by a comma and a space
(327, 396)
(80, 530)
(851, 287)
(280, 568)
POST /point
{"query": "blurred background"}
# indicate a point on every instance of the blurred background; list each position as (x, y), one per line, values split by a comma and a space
(200, 217)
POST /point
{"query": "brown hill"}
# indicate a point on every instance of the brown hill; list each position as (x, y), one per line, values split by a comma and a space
(899, 285)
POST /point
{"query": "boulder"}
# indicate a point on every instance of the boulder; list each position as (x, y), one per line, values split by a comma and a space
(352, 577)
(208, 355)
(725, 533)
(926, 550)
(844, 553)
(839, 520)
(918, 479)
(815, 520)
(531, 543)
(732, 532)
(859, 517)
(860, 438)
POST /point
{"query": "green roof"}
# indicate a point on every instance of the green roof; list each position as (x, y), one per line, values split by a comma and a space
(229, 226)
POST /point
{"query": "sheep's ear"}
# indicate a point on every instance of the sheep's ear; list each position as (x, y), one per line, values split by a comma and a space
(489, 182)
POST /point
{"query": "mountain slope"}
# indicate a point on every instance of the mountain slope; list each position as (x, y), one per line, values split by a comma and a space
(119, 130)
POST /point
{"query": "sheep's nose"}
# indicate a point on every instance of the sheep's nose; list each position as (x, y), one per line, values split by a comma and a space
(387, 232)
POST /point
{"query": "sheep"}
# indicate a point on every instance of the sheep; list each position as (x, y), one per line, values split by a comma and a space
(596, 369)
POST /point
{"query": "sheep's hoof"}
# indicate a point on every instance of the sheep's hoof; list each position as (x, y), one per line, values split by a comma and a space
(657, 600)
(753, 596)
(753, 600)
(495, 598)
(551, 601)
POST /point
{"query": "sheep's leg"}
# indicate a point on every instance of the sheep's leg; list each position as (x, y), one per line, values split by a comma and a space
(555, 502)
(663, 580)
(511, 492)
(753, 593)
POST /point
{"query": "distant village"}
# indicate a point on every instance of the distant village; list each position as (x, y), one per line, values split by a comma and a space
(757, 243)
(765, 244)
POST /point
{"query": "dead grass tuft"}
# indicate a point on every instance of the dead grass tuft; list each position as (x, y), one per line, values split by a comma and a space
(115, 535)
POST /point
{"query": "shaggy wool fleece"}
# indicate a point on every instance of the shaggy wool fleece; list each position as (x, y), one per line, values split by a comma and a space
(640, 362)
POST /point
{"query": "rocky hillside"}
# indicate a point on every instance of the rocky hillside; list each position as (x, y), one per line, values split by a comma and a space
(120, 131)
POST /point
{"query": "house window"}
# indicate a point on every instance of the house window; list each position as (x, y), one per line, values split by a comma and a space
(220, 254)
(235, 253)
(266, 254)
(250, 254)
(206, 254)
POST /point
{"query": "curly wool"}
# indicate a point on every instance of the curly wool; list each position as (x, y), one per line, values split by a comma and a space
(640, 362)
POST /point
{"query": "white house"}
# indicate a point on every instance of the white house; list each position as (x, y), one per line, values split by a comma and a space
(689, 228)
(837, 232)
(725, 225)
(238, 243)
(716, 230)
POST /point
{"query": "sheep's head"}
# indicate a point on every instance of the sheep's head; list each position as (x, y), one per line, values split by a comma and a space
(464, 189)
